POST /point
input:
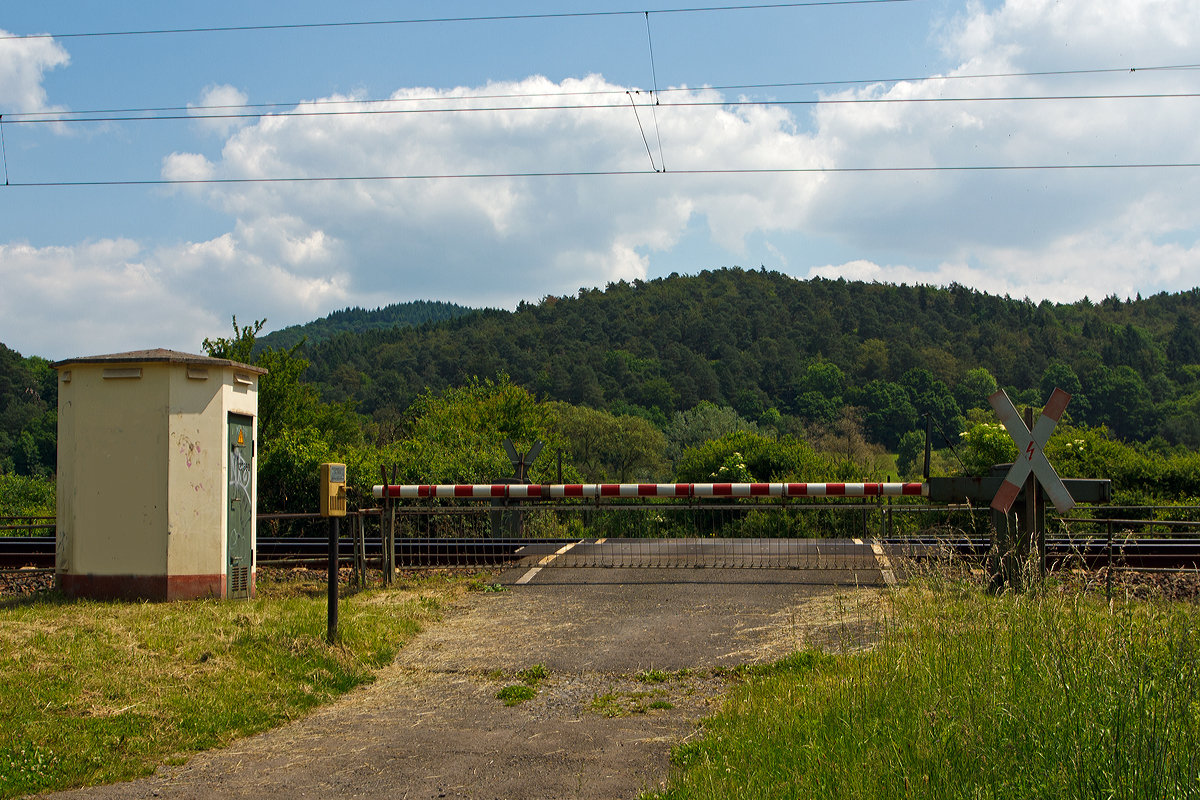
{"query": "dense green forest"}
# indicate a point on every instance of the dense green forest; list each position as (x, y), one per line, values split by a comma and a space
(28, 414)
(357, 320)
(729, 375)
(773, 347)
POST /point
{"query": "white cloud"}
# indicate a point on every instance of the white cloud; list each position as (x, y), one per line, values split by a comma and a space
(1055, 235)
(498, 240)
(186, 167)
(23, 65)
(113, 295)
(217, 104)
(1091, 264)
(493, 240)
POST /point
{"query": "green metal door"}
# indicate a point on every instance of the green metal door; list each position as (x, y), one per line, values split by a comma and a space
(240, 514)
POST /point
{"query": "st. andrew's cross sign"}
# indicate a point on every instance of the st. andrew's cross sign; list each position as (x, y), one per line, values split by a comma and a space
(1030, 452)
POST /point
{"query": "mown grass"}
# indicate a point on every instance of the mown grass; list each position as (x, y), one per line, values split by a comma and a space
(98, 692)
(969, 696)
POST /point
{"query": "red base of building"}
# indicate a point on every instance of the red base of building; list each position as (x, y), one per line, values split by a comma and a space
(146, 587)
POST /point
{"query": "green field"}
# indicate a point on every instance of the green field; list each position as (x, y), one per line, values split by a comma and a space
(96, 692)
(1050, 695)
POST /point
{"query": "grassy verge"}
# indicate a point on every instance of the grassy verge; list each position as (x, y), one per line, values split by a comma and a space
(99, 692)
(1048, 696)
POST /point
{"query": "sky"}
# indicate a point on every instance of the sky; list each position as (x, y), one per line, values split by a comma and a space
(731, 162)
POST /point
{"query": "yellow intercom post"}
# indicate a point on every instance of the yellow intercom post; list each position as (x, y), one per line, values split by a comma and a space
(333, 505)
(333, 490)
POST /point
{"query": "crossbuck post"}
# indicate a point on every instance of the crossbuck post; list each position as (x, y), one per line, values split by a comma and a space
(1032, 469)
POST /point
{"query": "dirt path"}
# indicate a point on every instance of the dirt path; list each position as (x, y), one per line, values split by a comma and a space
(634, 663)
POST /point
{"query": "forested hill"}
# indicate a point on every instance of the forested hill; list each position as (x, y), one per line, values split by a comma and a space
(358, 320)
(28, 414)
(761, 340)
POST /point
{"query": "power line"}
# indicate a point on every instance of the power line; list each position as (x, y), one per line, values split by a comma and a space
(489, 18)
(600, 106)
(612, 173)
(600, 92)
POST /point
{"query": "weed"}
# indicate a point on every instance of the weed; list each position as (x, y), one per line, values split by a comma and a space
(516, 694)
(534, 675)
(652, 676)
(619, 704)
(608, 705)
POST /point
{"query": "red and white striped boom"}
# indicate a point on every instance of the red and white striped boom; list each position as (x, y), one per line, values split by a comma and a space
(531, 491)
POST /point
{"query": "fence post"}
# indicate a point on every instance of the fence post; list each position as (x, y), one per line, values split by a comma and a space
(882, 518)
(360, 551)
(362, 548)
(1108, 591)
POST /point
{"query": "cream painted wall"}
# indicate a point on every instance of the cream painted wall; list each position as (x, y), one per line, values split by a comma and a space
(116, 490)
(196, 527)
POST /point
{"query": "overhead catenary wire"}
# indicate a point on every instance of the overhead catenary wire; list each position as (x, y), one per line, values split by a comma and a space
(612, 173)
(4, 149)
(654, 94)
(59, 114)
(641, 130)
(52, 117)
(445, 20)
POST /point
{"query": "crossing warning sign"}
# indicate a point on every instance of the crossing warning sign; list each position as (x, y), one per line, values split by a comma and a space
(1030, 446)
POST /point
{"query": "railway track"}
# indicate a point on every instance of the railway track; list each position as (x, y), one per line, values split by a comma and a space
(1147, 553)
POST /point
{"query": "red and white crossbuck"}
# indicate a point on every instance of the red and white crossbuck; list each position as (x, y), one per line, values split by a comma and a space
(1030, 445)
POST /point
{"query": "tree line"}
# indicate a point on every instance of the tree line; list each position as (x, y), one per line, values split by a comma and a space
(775, 348)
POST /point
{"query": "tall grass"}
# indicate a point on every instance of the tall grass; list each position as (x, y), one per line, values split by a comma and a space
(970, 696)
(96, 692)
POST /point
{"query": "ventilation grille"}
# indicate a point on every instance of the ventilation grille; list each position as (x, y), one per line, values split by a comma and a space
(239, 581)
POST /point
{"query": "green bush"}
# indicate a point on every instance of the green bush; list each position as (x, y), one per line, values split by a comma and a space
(27, 495)
(751, 456)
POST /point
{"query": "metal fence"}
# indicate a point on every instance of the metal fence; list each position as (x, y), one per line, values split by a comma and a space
(749, 533)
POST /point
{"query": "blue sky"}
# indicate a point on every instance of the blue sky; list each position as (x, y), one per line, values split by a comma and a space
(104, 268)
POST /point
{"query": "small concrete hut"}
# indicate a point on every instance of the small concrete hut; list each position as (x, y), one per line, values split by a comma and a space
(156, 476)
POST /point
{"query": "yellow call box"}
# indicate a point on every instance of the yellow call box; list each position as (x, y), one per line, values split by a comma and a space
(333, 490)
